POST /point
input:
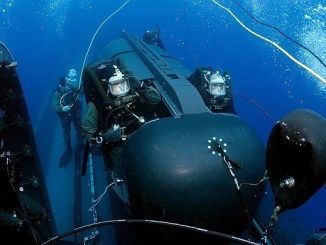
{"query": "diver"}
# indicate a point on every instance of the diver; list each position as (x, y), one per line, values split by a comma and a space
(215, 89)
(68, 107)
(22, 219)
(117, 105)
(153, 37)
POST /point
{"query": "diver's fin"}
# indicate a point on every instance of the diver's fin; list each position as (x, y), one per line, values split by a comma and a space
(65, 158)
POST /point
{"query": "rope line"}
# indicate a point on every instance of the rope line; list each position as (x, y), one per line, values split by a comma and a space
(98, 29)
(272, 43)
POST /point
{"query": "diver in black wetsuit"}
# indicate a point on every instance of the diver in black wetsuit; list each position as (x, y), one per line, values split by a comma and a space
(153, 37)
(215, 89)
(117, 105)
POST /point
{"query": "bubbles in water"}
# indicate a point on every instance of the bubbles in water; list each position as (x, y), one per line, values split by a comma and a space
(5, 7)
(314, 37)
(58, 12)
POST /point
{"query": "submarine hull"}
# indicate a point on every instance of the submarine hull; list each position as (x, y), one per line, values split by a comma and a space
(179, 170)
(22, 179)
(189, 171)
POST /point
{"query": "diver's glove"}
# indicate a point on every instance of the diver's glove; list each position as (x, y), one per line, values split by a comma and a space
(66, 108)
(148, 93)
(113, 134)
(142, 88)
(152, 95)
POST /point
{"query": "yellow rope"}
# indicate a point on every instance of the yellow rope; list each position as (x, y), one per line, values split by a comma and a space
(273, 43)
(62, 98)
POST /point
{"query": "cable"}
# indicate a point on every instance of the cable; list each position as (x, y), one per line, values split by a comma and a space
(258, 106)
(152, 222)
(95, 233)
(282, 33)
(91, 43)
(97, 201)
(272, 43)
(89, 47)
(193, 54)
(186, 29)
(263, 179)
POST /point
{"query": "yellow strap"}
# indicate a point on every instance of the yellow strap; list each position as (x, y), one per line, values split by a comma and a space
(273, 43)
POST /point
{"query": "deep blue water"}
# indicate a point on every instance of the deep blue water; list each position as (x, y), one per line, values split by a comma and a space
(49, 37)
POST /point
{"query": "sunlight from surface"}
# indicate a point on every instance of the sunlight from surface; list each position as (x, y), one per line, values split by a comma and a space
(314, 36)
(271, 75)
(5, 7)
(280, 48)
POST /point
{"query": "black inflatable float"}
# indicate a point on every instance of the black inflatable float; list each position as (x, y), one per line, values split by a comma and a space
(296, 157)
(177, 171)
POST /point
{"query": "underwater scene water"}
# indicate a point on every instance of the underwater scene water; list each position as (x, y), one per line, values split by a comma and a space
(275, 52)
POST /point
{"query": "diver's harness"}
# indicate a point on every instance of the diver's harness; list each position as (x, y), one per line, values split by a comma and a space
(120, 103)
(63, 95)
(113, 105)
(71, 102)
(126, 107)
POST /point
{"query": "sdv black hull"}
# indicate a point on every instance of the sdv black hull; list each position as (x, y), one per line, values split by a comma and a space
(17, 146)
(190, 167)
(180, 172)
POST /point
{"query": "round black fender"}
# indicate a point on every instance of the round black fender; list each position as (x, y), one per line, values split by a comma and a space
(296, 157)
(180, 170)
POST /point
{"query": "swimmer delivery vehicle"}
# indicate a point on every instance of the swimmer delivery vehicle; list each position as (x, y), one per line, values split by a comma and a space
(190, 171)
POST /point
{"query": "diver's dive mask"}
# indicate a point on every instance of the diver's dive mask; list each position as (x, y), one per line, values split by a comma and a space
(118, 84)
(68, 84)
(216, 85)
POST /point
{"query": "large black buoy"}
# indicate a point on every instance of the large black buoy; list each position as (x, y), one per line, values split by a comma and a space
(296, 157)
(177, 171)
